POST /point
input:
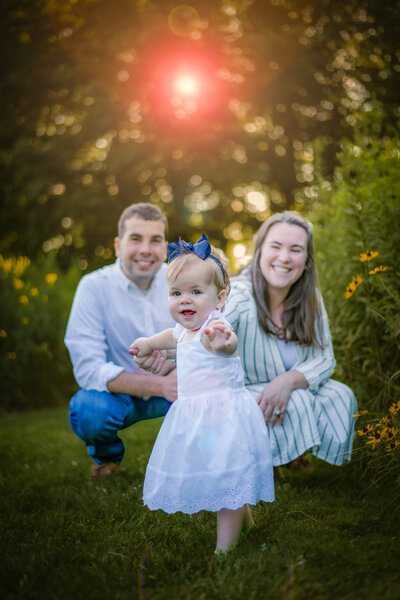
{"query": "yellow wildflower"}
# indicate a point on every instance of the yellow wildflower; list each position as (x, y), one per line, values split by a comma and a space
(3, 333)
(375, 438)
(34, 291)
(24, 320)
(385, 421)
(51, 278)
(365, 430)
(6, 264)
(11, 355)
(353, 285)
(18, 283)
(24, 299)
(361, 413)
(14, 265)
(392, 445)
(394, 409)
(389, 433)
(369, 255)
(20, 265)
(379, 269)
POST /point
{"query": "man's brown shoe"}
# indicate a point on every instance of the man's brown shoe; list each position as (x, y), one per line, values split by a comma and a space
(105, 469)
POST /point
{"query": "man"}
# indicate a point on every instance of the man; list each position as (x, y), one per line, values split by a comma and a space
(112, 307)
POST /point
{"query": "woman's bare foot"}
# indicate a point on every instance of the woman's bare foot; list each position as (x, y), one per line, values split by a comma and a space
(300, 464)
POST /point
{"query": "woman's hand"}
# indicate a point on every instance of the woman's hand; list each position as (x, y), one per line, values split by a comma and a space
(275, 396)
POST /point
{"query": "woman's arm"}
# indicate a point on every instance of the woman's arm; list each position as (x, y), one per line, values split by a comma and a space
(314, 367)
(317, 364)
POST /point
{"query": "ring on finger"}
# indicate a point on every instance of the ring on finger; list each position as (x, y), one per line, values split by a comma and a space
(277, 412)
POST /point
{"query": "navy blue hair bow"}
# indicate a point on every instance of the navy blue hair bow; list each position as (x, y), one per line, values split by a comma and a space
(201, 248)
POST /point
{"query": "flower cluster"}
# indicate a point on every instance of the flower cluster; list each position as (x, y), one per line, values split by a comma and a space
(353, 285)
(384, 432)
(369, 255)
(379, 269)
(357, 279)
(22, 301)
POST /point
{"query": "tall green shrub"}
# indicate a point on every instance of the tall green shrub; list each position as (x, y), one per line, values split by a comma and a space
(34, 304)
(358, 248)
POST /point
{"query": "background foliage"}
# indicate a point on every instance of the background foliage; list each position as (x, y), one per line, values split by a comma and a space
(298, 108)
(34, 305)
(357, 216)
(358, 245)
(88, 125)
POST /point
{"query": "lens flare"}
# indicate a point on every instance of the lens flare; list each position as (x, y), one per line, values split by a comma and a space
(186, 84)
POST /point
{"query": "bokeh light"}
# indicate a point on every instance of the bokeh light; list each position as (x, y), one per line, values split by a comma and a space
(183, 20)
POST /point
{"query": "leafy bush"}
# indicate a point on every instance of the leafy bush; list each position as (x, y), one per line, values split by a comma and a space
(34, 306)
(358, 248)
(357, 224)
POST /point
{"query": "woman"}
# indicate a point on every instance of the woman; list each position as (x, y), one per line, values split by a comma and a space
(285, 345)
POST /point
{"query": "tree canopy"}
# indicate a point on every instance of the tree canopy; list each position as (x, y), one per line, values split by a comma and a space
(210, 110)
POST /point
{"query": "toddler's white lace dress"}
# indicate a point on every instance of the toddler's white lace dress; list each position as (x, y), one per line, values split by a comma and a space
(212, 450)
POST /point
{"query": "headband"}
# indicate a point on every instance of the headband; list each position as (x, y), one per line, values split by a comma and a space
(201, 248)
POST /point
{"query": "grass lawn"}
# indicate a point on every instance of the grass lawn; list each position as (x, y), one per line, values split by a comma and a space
(64, 536)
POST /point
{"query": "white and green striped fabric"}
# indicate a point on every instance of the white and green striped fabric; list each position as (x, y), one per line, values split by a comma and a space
(318, 418)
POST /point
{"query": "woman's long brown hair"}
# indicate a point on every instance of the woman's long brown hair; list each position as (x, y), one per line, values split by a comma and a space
(301, 306)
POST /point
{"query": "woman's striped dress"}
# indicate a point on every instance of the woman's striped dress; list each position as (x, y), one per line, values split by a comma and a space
(317, 418)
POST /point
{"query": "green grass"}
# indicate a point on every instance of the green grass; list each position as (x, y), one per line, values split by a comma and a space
(65, 536)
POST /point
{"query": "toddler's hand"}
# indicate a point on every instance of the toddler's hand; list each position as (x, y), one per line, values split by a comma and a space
(140, 348)
(218, 335)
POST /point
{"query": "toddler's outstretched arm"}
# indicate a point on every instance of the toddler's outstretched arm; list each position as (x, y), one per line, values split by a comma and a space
(165, 340)
(219, 337)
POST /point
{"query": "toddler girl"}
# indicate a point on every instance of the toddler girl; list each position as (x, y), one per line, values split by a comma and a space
(212, 451)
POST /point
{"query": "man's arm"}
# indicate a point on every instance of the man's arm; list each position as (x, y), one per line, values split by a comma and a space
(88, 346)
(86, 338)
(144, 384)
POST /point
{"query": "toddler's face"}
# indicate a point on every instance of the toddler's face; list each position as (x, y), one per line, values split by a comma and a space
(192, 296)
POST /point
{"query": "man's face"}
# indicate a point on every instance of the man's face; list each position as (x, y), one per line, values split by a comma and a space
(142, 250)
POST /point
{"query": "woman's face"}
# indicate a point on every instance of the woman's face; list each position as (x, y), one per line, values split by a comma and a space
(283, 256)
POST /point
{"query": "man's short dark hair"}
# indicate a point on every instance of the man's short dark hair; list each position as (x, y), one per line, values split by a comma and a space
(143, 210)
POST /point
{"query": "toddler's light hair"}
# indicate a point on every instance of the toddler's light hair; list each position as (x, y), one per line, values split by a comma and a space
(219, 279)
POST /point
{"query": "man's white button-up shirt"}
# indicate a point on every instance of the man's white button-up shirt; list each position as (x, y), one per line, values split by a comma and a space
(108, 313)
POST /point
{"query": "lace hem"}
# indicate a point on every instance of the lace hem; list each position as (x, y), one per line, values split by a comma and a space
(207, 493)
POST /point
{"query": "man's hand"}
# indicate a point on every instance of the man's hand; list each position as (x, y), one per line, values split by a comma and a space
(157, 362)
(169, 386)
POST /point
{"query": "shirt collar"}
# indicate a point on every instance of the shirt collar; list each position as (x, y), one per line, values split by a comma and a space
(127, 284)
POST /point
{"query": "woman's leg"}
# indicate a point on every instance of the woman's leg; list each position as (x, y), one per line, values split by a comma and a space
(334, 407)
(230, 524)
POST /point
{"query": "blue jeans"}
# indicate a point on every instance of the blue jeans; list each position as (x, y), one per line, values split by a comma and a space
(97, 417)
